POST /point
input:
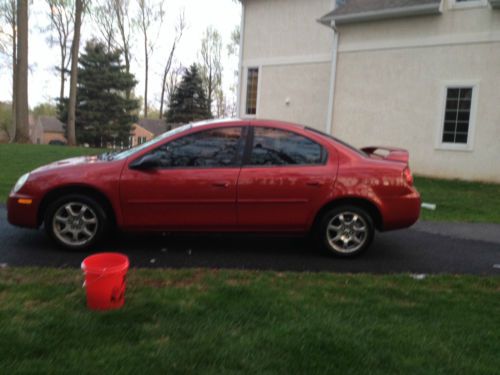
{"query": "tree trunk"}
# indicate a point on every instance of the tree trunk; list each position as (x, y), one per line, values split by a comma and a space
(146, 73)
(164, 80)
(22, 109)
(61, 90)
(14, 73)
(74, 73)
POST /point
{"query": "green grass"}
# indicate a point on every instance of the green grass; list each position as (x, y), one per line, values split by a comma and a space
(456, 200)
(214, 321)
(18, 159)
(460, 200)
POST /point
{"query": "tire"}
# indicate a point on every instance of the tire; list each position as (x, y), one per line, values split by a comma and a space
(75, 221)
(345, 231)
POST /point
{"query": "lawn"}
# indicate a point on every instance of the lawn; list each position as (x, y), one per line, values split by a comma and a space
(214, 321)
(460, 200)
(456, 200)
(18, 159)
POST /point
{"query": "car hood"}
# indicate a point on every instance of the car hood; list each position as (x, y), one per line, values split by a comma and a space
(71, 162)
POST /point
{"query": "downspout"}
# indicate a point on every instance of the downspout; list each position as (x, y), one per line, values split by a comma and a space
(333, 78)
(240, 63)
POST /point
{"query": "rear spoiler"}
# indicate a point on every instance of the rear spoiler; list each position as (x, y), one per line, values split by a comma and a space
(388, 153)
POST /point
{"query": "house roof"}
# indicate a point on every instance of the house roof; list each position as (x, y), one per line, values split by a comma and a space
(154, 126)
(352, 11)
(51, 124)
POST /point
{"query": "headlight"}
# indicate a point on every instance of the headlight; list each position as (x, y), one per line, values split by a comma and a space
(20, 183)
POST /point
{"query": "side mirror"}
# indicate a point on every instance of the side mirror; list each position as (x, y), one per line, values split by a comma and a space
(150, 161)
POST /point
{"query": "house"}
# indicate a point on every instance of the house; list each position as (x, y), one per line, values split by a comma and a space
(419, 74)
(48, 129)
(147, 129)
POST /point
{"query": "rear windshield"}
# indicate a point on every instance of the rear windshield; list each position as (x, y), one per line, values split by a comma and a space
(357, 150)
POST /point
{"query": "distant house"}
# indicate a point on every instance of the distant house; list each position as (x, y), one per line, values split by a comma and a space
(35, 130)
(419, 74)
(147, 129)
(50, 128)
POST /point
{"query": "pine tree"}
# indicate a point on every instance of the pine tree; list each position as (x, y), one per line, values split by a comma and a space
(188, 102)
(103, 112)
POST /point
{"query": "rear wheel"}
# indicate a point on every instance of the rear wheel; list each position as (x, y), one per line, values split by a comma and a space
(345, 231)
(75, 221)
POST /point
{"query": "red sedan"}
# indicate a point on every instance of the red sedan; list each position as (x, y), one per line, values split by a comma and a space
(236, 175)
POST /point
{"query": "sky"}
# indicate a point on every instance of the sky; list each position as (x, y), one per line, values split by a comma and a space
(43, 81)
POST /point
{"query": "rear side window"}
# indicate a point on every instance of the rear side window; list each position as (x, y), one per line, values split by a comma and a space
(280, 147)
(211, 148)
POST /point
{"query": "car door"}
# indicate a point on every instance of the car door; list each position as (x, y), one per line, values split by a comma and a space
(193, 187)
(284, 180)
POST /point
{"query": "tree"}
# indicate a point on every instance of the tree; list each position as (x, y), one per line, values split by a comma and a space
(233, 51)
(188, 101)
(45, 109)
(21, 75)
(211, 64)
(75, 47)
(9, 14)
(115, 26)
(104, 113)
(62, 21)
(179, 28)
(105, 18)
(150, 14)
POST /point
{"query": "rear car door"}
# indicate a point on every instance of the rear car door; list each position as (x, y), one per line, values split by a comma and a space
(194, 187)
(284, 180)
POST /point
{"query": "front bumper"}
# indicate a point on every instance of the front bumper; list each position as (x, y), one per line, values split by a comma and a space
(22, 211)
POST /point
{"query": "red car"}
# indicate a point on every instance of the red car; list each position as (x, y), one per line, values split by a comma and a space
(233, 175)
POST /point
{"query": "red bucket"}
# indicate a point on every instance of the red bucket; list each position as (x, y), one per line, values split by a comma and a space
(105, 280)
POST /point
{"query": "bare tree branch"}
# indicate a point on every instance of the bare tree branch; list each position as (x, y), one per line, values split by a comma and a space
(179, 29)
(149, 14)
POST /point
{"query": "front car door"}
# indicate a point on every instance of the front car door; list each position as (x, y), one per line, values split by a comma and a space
(284, 180)
(194, 186)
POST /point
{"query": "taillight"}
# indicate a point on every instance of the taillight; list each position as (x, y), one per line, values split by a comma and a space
(407, 176)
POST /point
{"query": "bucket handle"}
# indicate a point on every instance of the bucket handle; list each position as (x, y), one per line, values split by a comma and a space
(102, 274)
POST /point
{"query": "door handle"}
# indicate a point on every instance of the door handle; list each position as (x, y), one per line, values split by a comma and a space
(222, 184)
(314, 183)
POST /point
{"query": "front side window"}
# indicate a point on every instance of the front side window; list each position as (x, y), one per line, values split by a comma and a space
(252, 86)
(210, 148)
(457, 115)
(280, 147)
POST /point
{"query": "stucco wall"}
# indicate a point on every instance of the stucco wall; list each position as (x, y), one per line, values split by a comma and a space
(390, 87)
(292, 51)
(395, 97)
(304, 87)
(451, 26)
(279, 28)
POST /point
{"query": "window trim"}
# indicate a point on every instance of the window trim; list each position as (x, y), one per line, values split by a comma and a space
(453, 4)
(469, 146)
(239, 151)
(257, 100)
(249, 148)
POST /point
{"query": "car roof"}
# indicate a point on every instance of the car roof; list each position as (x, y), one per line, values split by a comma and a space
(242, 122)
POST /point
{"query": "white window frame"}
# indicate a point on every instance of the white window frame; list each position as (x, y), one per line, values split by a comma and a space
(469, 146)
(245, 91)
(453, 4)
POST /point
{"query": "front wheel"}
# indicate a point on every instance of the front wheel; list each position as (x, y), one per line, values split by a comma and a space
(345, 231)
(75, 222)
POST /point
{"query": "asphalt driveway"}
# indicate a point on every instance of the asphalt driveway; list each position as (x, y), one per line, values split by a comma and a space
(423, 249)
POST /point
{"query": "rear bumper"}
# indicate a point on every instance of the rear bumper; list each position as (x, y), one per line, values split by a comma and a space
(20, 213)
(401, 212)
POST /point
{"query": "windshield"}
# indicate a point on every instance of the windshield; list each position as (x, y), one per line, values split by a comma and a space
(131, 151)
